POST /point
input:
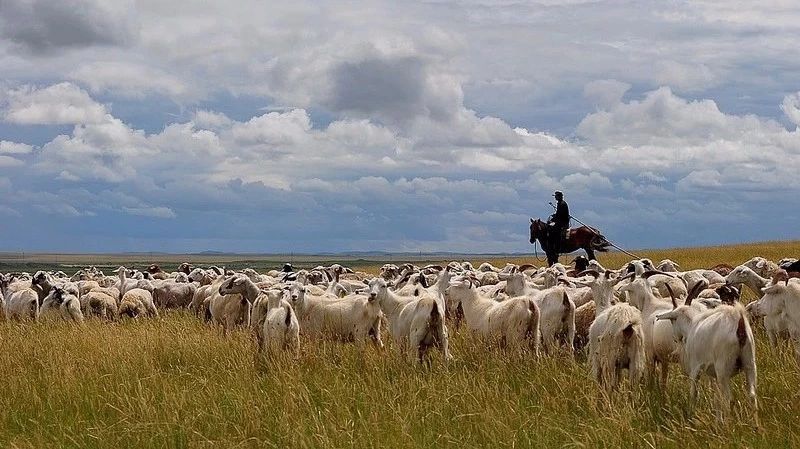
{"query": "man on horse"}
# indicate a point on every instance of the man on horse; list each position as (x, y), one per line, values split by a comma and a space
(559, 221)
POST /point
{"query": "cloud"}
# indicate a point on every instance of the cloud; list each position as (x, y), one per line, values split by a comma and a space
(129, 79)
(7, 162)
(662, 117)
(791, 107)
(155, 212)
(604, 94)
(7, 147)
(58, 104)
(391, 89)
(42, 26)
(435, 125)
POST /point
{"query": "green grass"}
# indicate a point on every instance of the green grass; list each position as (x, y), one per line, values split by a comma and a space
(178, 383)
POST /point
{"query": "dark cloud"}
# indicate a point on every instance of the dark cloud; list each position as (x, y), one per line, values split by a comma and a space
(391, 89)
(44, 26)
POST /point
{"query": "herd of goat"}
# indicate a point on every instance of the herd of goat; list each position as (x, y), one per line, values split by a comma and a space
(638, 318)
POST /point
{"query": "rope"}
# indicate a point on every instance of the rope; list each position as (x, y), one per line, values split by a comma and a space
(626, 252)
(536, 252)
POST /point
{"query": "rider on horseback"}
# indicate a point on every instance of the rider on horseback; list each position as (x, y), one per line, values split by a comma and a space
(558, 223)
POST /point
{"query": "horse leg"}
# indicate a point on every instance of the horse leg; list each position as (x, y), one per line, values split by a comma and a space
(589, 253)
(552, 258)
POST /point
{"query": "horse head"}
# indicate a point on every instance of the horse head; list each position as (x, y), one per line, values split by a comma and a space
(537, 229)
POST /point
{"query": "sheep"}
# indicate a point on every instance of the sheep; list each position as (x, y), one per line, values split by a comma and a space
(747, 276)
(718, 342)
(417, 323)
(352, 318)
(42, 283)
(101, 304)
(202, 277)
(230, 304)
(156, 272)
(200, 300)
(281, 328)
(513, 322)
(22, 304)
(62, 303)
(173, 295)
(261, 306)
(780, 307)
(389, 271)
(137, 301)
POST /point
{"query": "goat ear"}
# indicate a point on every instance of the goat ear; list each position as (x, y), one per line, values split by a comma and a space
(531, 220)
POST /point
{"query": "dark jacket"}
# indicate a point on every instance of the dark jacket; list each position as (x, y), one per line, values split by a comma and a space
(561, 217)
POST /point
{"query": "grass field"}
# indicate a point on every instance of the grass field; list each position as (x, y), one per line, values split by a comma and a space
(175, 382)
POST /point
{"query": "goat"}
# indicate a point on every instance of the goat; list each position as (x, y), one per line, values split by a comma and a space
(280, 330)
(780, 307)
(513, 322)
(718, 342)
(230, 304)
(747, 276)
(352, 318)
(417, 323)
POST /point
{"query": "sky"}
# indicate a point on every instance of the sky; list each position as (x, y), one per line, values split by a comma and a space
(311, 126)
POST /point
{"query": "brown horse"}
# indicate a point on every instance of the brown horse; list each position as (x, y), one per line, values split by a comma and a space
(584, 237)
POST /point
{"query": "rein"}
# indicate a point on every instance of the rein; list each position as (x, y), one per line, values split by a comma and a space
(536, 252)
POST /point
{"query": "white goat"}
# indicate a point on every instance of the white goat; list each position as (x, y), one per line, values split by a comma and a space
(230, 304)
(616, 336)
(415, 322)
(718, 342)
(743, 274)
(780, 307)
(763, 267)
(514, 322)
(281, 328)
(659, 345)
(557, 310)
(352, 318)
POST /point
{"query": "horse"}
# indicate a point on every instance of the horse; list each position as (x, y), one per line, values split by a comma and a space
(585, 238)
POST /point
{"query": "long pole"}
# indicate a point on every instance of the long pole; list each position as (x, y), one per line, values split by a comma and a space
(609, 242)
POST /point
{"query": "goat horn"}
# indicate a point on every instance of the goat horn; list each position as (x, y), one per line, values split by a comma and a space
(594, 273)
(696, 289)
(672, 296)
(649, 273)
(525, 267)
(627, 276)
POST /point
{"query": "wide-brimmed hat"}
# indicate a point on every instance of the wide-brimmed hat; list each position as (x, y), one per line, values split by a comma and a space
(558, 193)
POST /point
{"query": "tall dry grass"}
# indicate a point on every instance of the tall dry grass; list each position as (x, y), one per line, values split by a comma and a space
(178, 383)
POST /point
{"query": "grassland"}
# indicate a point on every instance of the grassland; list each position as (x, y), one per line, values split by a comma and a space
(178, 383)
